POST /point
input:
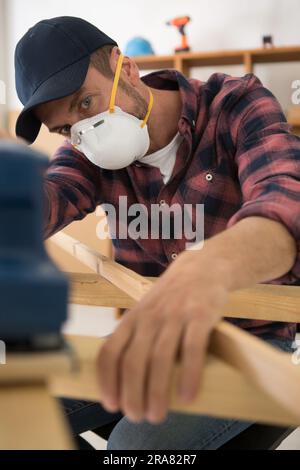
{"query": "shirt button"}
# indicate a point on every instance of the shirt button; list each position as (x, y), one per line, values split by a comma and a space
(174, 256)
(209, 177)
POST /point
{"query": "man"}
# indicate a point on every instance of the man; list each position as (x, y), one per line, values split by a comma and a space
(165, 140)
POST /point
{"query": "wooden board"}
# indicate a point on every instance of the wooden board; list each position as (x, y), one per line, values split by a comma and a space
(262, 302)
(32, 420)
(35, 366)
(225, 392)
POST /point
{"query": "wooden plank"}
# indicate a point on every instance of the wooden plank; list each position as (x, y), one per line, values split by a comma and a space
(261, 302)
(32, 420)
(265, 302)
(35, 366)
(224, 391)
(124, 278)
(92, 289)
(269, 369)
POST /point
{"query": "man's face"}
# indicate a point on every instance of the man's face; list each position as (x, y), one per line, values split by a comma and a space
(92, 98)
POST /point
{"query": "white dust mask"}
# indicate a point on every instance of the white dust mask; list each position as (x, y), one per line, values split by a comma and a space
(114, 139)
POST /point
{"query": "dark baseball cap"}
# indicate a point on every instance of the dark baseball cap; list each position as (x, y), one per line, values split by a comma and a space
(51, 62)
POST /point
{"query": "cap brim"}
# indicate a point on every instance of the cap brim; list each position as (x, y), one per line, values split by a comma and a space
(62, 84)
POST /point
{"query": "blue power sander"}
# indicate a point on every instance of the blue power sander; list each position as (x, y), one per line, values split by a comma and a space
(33, 292)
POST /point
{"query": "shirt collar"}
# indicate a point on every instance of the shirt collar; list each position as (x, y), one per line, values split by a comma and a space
(173, 80)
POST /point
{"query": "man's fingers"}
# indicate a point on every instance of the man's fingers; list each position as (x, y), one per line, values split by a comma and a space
(193, 353)
(160, 370)
(108, 363)
(134, 369)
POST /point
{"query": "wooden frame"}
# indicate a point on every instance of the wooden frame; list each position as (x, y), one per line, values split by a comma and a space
(237, 348)
(243, 378)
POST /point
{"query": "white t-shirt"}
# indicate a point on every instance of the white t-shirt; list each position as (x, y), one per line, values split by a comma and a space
(165, 158)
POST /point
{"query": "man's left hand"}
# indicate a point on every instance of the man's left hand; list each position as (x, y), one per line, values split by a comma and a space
(172, 322)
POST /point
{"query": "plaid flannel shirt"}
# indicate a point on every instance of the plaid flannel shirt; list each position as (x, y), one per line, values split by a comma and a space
(235, 131)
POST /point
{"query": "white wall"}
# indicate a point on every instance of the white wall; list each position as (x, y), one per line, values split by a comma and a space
(216, 24)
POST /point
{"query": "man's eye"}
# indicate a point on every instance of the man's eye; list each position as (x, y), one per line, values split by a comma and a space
(65, 130)
(85, 104)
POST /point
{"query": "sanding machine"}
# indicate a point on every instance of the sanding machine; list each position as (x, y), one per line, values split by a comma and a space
(33, 292)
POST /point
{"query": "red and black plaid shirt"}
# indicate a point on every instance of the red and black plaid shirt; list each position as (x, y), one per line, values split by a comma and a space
(235, 131)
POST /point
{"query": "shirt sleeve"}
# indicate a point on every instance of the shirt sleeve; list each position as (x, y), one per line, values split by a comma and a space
(268, 164)
(71, 189)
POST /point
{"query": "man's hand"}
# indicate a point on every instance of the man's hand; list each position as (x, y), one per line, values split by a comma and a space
(175, 318)
(173, 321)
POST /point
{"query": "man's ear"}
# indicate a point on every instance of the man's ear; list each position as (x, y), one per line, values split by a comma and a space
(130, 71)
(114, 57)
(133, 70)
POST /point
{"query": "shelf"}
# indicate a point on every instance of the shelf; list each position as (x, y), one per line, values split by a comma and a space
(277, 54)
(247, 57)
(150, 62)
(185, 61)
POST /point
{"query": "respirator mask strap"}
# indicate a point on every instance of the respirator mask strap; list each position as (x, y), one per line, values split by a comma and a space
(115, 88)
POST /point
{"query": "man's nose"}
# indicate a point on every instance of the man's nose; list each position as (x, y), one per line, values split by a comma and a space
(74, 118)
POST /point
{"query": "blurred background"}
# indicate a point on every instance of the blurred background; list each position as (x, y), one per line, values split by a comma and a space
(215, 25)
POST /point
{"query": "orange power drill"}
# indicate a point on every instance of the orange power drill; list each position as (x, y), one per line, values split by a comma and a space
(180, 22)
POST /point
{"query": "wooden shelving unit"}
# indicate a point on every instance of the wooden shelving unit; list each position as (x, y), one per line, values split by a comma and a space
(248, 58)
